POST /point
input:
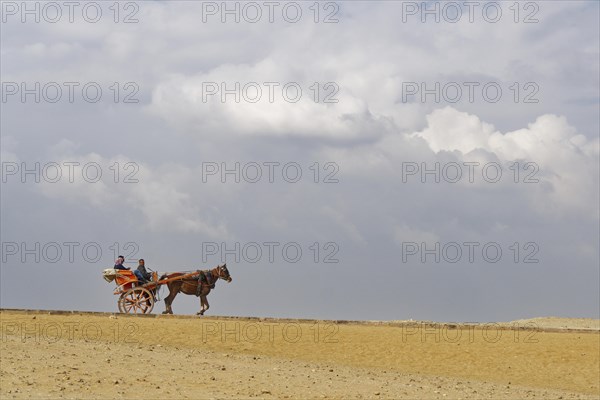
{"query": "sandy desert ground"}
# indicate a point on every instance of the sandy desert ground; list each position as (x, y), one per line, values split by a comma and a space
(101, 355)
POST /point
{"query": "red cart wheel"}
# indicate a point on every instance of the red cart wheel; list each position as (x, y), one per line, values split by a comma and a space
(137, 300)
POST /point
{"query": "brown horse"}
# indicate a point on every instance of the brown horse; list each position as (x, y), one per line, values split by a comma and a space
(190, 286)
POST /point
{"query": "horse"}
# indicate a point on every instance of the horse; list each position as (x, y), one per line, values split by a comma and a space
(190, 286)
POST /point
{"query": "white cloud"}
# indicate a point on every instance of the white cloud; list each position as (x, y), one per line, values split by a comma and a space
(448, 129)
(567, 161)
(158, 197)
(184, 101)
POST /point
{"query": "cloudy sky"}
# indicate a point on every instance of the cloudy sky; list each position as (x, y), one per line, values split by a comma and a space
(349, 160)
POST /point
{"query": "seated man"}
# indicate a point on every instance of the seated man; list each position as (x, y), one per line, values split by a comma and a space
(141, 273)
(119, 263)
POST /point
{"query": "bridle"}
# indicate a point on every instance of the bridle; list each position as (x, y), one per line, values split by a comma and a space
(220, 273)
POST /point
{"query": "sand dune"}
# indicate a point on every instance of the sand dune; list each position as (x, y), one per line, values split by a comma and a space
(87, 355)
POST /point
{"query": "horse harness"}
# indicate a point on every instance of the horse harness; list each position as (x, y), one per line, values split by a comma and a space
(205, 278)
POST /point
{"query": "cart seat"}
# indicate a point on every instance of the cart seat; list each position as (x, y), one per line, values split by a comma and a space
(125, 276)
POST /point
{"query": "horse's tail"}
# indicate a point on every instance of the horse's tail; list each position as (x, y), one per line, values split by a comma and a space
(163, 276)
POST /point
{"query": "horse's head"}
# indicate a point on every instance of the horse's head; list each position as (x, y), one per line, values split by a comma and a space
(223, 273)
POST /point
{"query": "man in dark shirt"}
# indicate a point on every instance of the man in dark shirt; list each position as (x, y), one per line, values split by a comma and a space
(119, 263)
(141, 273)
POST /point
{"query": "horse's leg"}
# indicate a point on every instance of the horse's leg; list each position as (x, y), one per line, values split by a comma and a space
(173, 290)
(204, 304)
(207, 306)
(202, 300)
(168, 302)
(199, 290)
